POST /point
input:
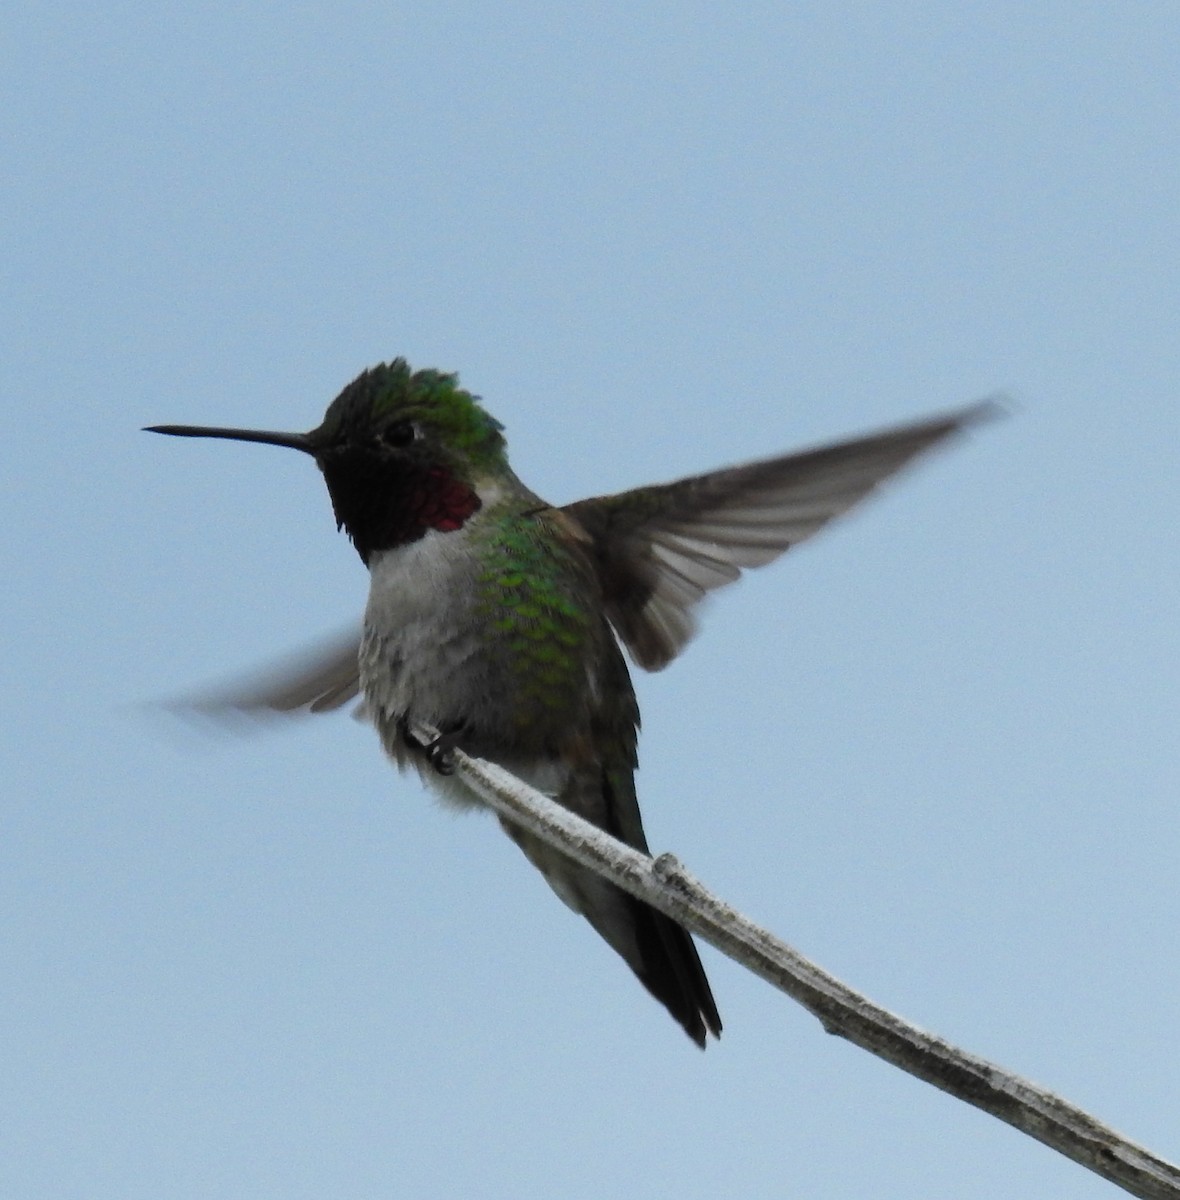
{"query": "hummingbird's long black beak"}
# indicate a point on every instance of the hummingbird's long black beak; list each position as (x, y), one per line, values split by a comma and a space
(294, 441)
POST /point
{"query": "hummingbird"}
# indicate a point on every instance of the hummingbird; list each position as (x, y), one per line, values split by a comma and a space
(500, 620)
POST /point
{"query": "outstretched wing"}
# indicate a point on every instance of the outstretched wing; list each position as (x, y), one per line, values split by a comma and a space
(321, 679)
(660, 549)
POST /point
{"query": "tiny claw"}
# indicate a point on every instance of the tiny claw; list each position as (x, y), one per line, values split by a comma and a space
(437, 750)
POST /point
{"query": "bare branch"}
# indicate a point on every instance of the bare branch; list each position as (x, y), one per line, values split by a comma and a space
(666, 885)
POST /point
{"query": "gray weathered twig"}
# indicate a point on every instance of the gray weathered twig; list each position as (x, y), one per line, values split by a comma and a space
(666, 885)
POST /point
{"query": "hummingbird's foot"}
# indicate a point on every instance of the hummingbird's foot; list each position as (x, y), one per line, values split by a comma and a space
(438, 750)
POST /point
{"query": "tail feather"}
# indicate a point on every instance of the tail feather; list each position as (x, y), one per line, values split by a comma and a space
(672, 971)
(656, 948)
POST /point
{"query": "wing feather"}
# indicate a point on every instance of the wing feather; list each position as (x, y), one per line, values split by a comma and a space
(659, 550)
(322, 679)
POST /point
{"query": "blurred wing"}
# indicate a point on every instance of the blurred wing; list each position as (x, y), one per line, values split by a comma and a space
(660, 549)
(322, 679)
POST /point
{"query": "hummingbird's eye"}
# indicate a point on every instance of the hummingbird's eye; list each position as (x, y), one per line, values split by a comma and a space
(399, 435)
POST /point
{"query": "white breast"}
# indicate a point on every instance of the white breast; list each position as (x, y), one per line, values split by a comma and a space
(423, 653)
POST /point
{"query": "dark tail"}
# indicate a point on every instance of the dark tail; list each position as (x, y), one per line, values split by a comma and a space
(671, 970)
(659, 951)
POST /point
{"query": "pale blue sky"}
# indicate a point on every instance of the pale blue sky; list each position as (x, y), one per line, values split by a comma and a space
(935, 749)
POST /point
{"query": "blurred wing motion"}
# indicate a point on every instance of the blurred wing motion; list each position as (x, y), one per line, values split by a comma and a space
(320, 679)
(660, 549)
